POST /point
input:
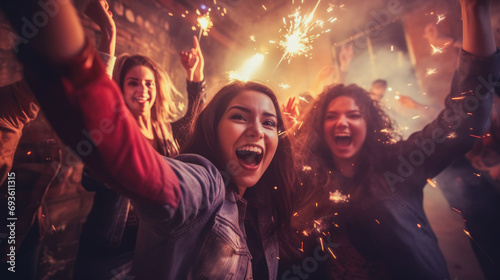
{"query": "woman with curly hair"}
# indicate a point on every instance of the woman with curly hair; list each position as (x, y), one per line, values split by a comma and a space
(362, 187)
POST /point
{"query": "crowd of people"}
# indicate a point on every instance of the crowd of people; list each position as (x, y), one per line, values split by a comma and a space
(232, 189)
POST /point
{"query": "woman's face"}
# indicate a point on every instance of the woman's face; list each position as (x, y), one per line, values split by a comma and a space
(248, 137)
(139, 90)
(344, 128)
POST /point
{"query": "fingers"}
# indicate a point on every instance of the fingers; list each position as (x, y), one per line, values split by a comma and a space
(196, 43)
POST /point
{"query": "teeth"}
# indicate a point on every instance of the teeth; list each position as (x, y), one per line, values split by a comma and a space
(343, 134)
(254, 149)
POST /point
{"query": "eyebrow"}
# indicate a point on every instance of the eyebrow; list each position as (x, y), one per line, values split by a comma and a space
(249, 111)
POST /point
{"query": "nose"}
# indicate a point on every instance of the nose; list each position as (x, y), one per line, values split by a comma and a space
(255, 129)
(342, 121)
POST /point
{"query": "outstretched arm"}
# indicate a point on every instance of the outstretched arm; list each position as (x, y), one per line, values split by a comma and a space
(478, 36)
(87, 109)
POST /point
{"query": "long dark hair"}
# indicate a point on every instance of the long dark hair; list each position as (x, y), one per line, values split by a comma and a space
(276, 184)
(312, 150)
(164, 109)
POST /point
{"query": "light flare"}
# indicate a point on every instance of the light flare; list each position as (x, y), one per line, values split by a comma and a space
(248, 68)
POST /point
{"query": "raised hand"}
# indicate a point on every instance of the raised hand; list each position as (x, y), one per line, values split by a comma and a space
(98, 11)
(290, 112)
(345, 57)
(193, 62)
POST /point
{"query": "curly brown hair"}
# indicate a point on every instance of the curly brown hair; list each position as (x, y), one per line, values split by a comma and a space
(312, 150)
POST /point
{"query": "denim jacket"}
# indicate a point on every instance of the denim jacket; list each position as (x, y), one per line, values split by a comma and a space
(205, 238)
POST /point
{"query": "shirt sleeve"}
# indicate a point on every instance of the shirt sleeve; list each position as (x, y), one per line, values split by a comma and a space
(196, 101)
(109, 63)
(87, 110)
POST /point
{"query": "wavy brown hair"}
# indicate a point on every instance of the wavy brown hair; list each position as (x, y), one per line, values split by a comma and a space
(164, 109)
(279, 174)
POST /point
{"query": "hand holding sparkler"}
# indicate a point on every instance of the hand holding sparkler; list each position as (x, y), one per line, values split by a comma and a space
(98, 11)
(193, 62)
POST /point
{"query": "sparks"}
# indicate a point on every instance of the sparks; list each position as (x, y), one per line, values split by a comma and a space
(432, 183)
(306, 168)
(338, 197)
(264, 7)
(303, 99)
(252, 38)
(430, 71)
(475, 136)
(436, 50)
(333, 255)
(285, 86)
(299, 34)
(205, 23)
(440, 18)
(415, 117)
(322, 246)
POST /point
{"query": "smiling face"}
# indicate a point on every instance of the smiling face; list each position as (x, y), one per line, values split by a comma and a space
(248, 137)
(344, 128)
(139, 90)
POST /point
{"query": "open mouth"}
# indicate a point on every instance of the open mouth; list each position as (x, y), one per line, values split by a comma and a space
(141, 99)
(250, 155)
(343, 140)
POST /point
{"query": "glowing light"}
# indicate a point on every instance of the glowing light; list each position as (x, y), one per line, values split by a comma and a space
(205, 23)
(419, 226)
(475, 136)
(322, 246)
(430, 71)
(436, 50)
(377, 221)
(397, 97)
(431, 183)
(252, 38)
(451, 135)
(415, 117)
(440, 18)
(333, 255)
(285, 86)
(264, 7)
(298, 35)
(458, 98)
(303, 99)
(248, 68)
(338, 197)
(28, 153)
(392, 48)
(456, 210)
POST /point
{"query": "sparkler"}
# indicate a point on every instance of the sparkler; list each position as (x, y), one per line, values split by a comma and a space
(299, 35)
(205, 23)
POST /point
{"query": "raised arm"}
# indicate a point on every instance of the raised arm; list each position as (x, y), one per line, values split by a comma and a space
(478, 36)
(69, 81)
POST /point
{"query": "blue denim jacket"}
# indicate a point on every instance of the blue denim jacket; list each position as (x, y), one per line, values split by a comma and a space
(205, 236)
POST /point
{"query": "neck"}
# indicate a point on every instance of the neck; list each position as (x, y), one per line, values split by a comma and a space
(241, 190)
(347, 167)
(145, 125)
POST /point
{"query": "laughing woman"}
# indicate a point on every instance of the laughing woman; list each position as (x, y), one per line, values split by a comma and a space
(365, 188)
(193, 217)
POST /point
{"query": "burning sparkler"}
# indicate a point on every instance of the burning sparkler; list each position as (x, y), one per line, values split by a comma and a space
(205, 23)
(299, 34)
